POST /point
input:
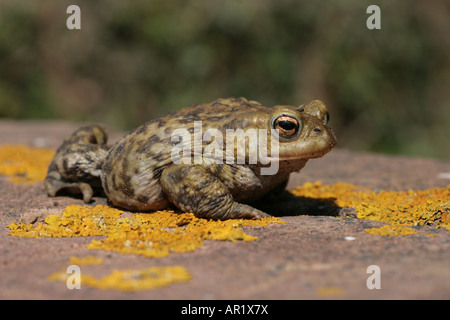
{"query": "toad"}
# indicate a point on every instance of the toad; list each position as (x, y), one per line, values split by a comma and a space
(142, 172)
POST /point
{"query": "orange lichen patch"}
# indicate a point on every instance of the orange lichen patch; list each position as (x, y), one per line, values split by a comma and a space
(82, 261)
(150, 234)
(330, 292)
(391, 230)
(158, 242)
(410, 208)
(75, 221)
(25, 164)
(144, 279)
(132, 280)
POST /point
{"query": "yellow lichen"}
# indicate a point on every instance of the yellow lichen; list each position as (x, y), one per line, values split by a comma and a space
(391, 230)
(144, 279)
(75, 221)
(330, 292)
(25, 164)
(409, 208)
(154, 234)
(82, 261)
(131, 280)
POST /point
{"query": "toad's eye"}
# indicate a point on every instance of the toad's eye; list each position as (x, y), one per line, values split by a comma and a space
(326, 118)
(287, 126)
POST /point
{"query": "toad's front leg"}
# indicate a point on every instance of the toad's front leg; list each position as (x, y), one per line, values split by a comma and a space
(193, 189)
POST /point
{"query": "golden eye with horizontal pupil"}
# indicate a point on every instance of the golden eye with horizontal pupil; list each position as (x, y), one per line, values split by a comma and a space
(287, 126)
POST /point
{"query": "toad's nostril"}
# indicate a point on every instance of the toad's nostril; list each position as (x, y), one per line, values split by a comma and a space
(317, 130)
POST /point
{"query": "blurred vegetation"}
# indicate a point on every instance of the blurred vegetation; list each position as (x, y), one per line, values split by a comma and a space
(387, 90)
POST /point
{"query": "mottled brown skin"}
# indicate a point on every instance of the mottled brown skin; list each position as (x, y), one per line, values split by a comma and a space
(137, 172)
(77, 165)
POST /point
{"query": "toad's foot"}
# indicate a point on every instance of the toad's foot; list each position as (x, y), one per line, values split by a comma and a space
(54, 183)
(193, 189)
(78, 163)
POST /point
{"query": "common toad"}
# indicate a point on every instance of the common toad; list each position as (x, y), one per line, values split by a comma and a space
(188, 159)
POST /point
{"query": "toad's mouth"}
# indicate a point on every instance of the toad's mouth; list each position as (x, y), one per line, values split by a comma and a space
(313, 155)
(314, 148)
(317, 153)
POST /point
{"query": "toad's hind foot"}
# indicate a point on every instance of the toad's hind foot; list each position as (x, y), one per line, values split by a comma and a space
(54, 183)
(78, 163)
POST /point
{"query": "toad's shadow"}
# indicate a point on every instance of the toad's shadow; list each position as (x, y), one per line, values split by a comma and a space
(287, 204)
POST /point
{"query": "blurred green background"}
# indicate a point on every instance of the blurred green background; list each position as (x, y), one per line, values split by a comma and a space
(387, 90)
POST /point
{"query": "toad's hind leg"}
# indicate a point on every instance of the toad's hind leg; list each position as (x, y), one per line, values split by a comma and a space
(78, 162)
(193, 189)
